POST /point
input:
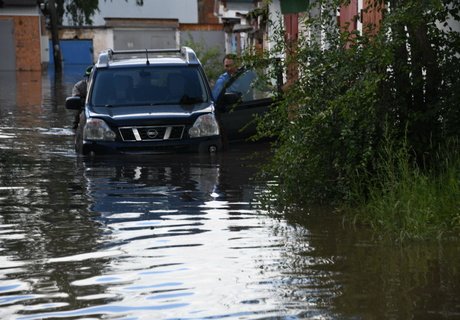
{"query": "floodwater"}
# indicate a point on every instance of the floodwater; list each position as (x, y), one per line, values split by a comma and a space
(183, 236)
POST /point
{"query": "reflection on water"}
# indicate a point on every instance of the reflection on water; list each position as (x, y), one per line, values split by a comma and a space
(185, 237)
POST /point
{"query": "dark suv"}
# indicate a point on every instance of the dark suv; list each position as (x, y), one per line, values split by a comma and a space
(147, 101)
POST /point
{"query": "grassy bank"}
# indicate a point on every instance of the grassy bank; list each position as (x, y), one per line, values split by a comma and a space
(405, 202)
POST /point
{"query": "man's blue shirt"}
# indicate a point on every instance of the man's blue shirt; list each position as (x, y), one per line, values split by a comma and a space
(219, 85)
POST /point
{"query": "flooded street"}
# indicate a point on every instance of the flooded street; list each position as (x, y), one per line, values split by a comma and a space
(182, 236)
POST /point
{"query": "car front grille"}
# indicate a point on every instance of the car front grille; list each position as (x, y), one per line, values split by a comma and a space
(157, 133)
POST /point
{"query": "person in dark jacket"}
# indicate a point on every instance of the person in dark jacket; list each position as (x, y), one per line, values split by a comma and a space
(80, 89)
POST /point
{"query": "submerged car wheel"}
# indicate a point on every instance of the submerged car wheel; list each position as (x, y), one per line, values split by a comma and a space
(78, 143)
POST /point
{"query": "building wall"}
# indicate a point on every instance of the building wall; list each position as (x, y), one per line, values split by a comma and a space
(206, 14)
(26, 33)
(127, 25)
(186, 11)
(31, 37)
(28, 52)
(103, 38)
(209, 36)
(232, 14)
(8, 51)
(135, 33)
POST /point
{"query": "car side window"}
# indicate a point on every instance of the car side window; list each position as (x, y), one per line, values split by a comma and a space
(250, 86)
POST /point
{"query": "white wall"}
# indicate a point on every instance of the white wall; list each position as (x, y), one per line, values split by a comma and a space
(184, 10)
(20, 11)
(103, 40)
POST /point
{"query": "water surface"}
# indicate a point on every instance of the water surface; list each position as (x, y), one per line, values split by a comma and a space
(183, 236)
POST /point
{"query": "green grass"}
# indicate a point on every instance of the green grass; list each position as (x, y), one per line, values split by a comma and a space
(405, 202)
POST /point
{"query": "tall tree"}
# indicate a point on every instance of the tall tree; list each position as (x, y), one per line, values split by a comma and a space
(53, 16)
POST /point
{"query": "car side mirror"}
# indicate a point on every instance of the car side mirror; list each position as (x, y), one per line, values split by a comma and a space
(74, 103)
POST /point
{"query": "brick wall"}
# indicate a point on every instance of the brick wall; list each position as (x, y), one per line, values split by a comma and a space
(206, 12)
(27, 42)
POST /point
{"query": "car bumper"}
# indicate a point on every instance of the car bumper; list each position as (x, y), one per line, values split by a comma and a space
(201, 145)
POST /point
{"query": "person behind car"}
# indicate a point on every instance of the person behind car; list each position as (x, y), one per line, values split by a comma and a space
(80, 89)
(230, 67)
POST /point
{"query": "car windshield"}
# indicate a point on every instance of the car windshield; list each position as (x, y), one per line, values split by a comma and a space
(148, 85)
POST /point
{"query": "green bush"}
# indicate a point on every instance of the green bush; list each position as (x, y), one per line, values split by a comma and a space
(354, 92)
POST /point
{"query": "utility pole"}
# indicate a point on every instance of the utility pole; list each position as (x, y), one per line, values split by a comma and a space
(55, 36)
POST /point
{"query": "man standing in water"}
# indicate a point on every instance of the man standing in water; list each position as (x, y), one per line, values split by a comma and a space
(80, 89)
(230, 67)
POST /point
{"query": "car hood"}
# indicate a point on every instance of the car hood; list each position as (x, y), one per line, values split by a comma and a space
(120, 113)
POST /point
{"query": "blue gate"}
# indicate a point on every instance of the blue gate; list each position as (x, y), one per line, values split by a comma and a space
(74, 52)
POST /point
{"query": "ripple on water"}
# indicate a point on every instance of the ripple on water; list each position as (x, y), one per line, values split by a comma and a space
(106, 280)
(9, 286)
(183, 237)
(56, 131)
(87, 256)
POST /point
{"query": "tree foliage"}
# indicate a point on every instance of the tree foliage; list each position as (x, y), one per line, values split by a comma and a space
(356, 90)
(80, 12)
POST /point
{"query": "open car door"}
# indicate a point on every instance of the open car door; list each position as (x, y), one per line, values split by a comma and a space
(245, 96)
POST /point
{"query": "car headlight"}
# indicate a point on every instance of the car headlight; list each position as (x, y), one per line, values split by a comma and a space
(205, 125)
(97, 129)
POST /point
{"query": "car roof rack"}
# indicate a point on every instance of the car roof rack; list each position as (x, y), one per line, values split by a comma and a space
(111, 55)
